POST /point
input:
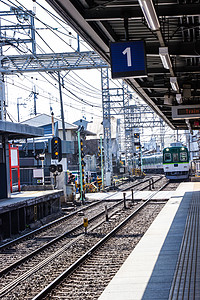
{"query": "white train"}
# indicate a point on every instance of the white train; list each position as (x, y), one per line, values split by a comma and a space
(152, 163)
(176, 161)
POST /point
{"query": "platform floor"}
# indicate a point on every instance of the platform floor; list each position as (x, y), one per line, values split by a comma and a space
(27, 209)
(148, 272)
(138, 195)
(24, 198)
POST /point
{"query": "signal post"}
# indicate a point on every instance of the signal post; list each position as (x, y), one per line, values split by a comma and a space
(81, 166)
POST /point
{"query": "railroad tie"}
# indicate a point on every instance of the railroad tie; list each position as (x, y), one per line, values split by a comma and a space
(186, 281)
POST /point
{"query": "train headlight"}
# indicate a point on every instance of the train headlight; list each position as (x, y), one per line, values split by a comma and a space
(167, 149)
(182, 148)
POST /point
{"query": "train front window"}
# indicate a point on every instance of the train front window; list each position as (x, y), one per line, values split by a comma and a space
(175, 157)
(167, 157)
(183, 156)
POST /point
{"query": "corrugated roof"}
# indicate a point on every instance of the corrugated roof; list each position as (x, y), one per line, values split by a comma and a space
(18, 131)
(44, 119)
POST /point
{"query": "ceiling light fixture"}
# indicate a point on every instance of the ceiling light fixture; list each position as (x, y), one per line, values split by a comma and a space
(168, 99)
(179, 98)
(149, 14)
(165, 58)
(174, 83)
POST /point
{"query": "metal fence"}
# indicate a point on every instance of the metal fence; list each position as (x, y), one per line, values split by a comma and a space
(28, 176)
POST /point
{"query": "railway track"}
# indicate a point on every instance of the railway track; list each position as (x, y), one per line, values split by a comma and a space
(16, 253)
(47, 232)
(67, 251)
(100, 264)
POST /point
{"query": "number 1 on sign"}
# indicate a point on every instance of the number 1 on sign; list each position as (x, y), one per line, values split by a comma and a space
(128, 52)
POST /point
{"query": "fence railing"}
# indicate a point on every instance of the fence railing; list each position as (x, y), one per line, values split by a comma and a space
(28, 176)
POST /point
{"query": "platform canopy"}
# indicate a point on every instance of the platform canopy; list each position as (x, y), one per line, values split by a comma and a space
(170, 31)
(19, 131)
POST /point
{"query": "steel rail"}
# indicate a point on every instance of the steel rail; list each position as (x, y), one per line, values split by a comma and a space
(65, 234)
(60, 220)
(11, 285)
(76, 264)
(148, 185)
(47, 226)
(53, 241)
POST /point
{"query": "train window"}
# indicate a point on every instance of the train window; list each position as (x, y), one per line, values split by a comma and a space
(183, 156)
(175, 157)
(167, 157)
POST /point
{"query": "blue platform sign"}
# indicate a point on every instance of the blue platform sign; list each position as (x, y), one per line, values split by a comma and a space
(128, 59)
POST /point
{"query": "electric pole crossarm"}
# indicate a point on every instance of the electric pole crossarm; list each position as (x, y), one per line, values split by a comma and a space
(13, 27)
(51, 62)
(11, 42)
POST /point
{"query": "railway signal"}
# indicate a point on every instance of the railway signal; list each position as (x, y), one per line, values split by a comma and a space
(136, 135)
(56, 148)
(54, 168)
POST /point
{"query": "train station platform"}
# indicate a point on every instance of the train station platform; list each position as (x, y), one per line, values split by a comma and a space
(137, 195)
(165, 264)
(25, 208)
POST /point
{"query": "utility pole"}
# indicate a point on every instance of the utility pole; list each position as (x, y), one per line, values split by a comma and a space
(35, 98)
(52, 124)
(18, 104)
(61, 107)
(64, 159)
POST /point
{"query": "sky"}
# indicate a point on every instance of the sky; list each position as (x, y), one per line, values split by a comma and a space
(82, 88)
(81, 97)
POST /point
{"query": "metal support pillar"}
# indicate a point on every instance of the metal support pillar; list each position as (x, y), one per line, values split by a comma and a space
(80, 167)
(106, 126)
(7, 166)
(33, 33)
(2, 84)
(162, 133)
(128, 126)
(102, 162)
(2, 97)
